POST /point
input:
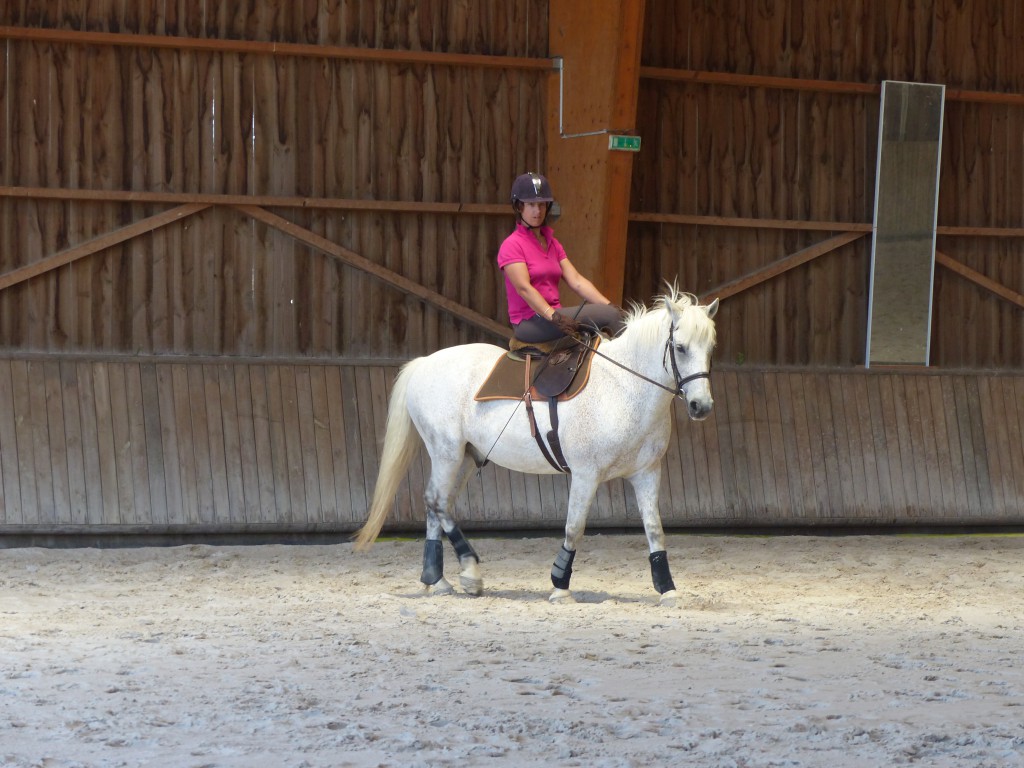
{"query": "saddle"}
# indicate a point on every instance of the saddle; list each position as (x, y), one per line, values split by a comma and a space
(557, 373)
(557, 369)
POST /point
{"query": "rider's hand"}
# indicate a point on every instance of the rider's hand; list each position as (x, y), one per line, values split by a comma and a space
(566, 325)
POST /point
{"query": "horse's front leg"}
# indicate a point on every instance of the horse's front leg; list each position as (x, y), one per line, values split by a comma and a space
(646, 484)
(581, 495)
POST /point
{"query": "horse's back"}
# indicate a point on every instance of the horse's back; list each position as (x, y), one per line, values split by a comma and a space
(453, 373)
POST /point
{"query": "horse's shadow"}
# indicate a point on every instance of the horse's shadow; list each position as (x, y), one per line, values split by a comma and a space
(581, 597)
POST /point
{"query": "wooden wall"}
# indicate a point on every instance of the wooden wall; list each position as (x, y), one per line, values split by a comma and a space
(768, 114)
(223, 224)
(182, 446)
(318, 137)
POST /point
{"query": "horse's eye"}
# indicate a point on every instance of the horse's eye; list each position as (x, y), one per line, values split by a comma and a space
(681, 349)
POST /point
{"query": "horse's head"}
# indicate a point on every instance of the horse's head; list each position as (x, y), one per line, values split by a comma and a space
(688, 350)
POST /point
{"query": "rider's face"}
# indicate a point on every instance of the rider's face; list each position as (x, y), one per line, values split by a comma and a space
(534, 213)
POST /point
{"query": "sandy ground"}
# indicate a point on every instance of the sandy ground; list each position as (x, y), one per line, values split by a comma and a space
(788, 651)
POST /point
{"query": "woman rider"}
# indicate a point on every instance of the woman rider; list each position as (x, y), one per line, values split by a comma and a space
(534, 263)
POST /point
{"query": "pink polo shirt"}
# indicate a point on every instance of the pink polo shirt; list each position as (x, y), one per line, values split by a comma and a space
(545, 268)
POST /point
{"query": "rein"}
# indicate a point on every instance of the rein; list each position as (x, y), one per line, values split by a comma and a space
(681, 381)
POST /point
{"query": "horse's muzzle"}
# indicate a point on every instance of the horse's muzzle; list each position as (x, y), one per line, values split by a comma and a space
(699, 409)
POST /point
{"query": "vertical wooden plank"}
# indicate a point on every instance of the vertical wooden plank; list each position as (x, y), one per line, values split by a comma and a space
(677, 478)
(757, 430)
(305, 430)
(730, 456)
(849, 465)
(1013, 392)
(879, 446)
(271, 462)
(254, 494)
(775, 429)
(994, 437)
(797, 450)
(106, 443)
(138, 446)
(908, 424)
(283, 377)
(809, 426)
(932, 446)
(859, 418)
(968, 447)
(359, 476)
(30, 406)
(77, 501)
(347, 509)
(35, 432)
(892, 445)
(234, 466)
(156, 463)
(972, 406)
(213, 439)
(57, 442)
(202, 466)
(914, 444)
(956, 457)
(822, 404)
(120, 431)
(185, 439)
(177, 512)
(90, 444)
(695, 454)
(369, 410)
(503, 492)
(943, 464)
(322, 428)
(285, 507)
(10, 472)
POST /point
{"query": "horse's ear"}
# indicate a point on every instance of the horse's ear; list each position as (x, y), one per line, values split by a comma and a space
(713, 308)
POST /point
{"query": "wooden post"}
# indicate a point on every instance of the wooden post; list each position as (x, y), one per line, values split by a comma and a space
(599, 44)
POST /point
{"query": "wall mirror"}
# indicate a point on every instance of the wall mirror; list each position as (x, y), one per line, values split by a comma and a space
(903, 247)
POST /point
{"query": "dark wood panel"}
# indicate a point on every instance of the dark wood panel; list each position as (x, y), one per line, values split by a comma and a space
(197, 446)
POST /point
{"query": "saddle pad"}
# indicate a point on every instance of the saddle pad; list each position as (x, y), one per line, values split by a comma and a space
(506, 379)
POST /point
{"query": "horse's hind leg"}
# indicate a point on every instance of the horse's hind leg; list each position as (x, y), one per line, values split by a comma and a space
(432, 575)
(445, 484)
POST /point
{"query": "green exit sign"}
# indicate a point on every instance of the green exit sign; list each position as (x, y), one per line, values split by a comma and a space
(625, 143)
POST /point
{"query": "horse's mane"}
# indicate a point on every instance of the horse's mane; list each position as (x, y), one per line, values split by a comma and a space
(646, 325)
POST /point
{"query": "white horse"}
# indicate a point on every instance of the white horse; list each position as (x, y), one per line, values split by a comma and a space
(618, 426)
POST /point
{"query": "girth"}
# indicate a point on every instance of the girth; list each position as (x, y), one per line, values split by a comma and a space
(554, 457)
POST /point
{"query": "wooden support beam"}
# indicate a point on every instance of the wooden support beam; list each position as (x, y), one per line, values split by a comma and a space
(748, 223)
(599, 44)
(353, 259)
(776, 268)
(268, 48)
(740, 80)
(265, 201)
(100, 243)
(979, 279)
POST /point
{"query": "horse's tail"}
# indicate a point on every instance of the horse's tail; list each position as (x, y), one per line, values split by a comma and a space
(401, 444)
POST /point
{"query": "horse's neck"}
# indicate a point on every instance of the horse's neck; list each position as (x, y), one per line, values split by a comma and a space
(647, 360)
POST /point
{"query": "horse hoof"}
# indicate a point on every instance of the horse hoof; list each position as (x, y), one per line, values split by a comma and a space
(440, 587)
(561, 596)
(668, 599)
(472, 585)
